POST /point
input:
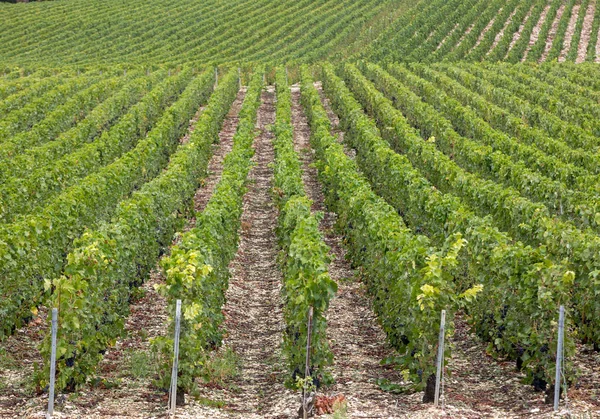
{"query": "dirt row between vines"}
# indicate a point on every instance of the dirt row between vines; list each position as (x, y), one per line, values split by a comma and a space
(123, 387)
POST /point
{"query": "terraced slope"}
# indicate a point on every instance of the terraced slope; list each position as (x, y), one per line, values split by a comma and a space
(92, 32)
(476, 30)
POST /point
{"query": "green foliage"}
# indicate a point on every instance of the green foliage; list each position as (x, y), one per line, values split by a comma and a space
(184, 31)
(507, 270)
(25, 117)
(559, 37)
(304, 259)
(536, 51)
(49, 233)
(100, 119)
(93, 294)
(530, 222)
(400, 268)
(197, 269)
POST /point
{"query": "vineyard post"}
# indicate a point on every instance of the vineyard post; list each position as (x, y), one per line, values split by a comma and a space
(440, 359)
(240, 78)
(147, 72)
(52, 364)
(125, 73)
(169, 72)
(173, 392)
(559, 356)
(286, 76)
(216, 76)
(307, 363)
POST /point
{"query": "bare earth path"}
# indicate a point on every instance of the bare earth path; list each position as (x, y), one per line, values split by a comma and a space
(253, 312)
(535, 33)
(357, 341)
(552, 33)
(586, 33)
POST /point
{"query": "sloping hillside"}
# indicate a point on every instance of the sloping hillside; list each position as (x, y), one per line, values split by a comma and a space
(103, 32)
(499, 30)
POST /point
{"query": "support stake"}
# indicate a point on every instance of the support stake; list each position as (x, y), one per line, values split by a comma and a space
(440, 359)
(216, 76)
(240, 78)
(173, 395)
(52, 364)
(307, 363)
(559, 356)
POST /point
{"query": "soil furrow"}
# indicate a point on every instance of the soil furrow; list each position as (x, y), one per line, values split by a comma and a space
(597, 35)
(357, 341)
(336, 131)
(535, 33)
(500, 34)
(586, 33)
(552, 33)
(484, 31)
(220, 150)
(253, 312)
(517, 34)
(569, 34)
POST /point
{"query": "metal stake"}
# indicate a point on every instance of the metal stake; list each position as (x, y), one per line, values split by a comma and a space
(173, 396)
(216, 76)
(52, 364)
(307, 363)
(440, 359)
(559, 356)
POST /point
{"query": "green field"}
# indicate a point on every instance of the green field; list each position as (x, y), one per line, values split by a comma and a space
(371, 162)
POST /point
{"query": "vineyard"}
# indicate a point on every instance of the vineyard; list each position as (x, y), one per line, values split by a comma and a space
(510, 31)
(264, 209)
(88, 33)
